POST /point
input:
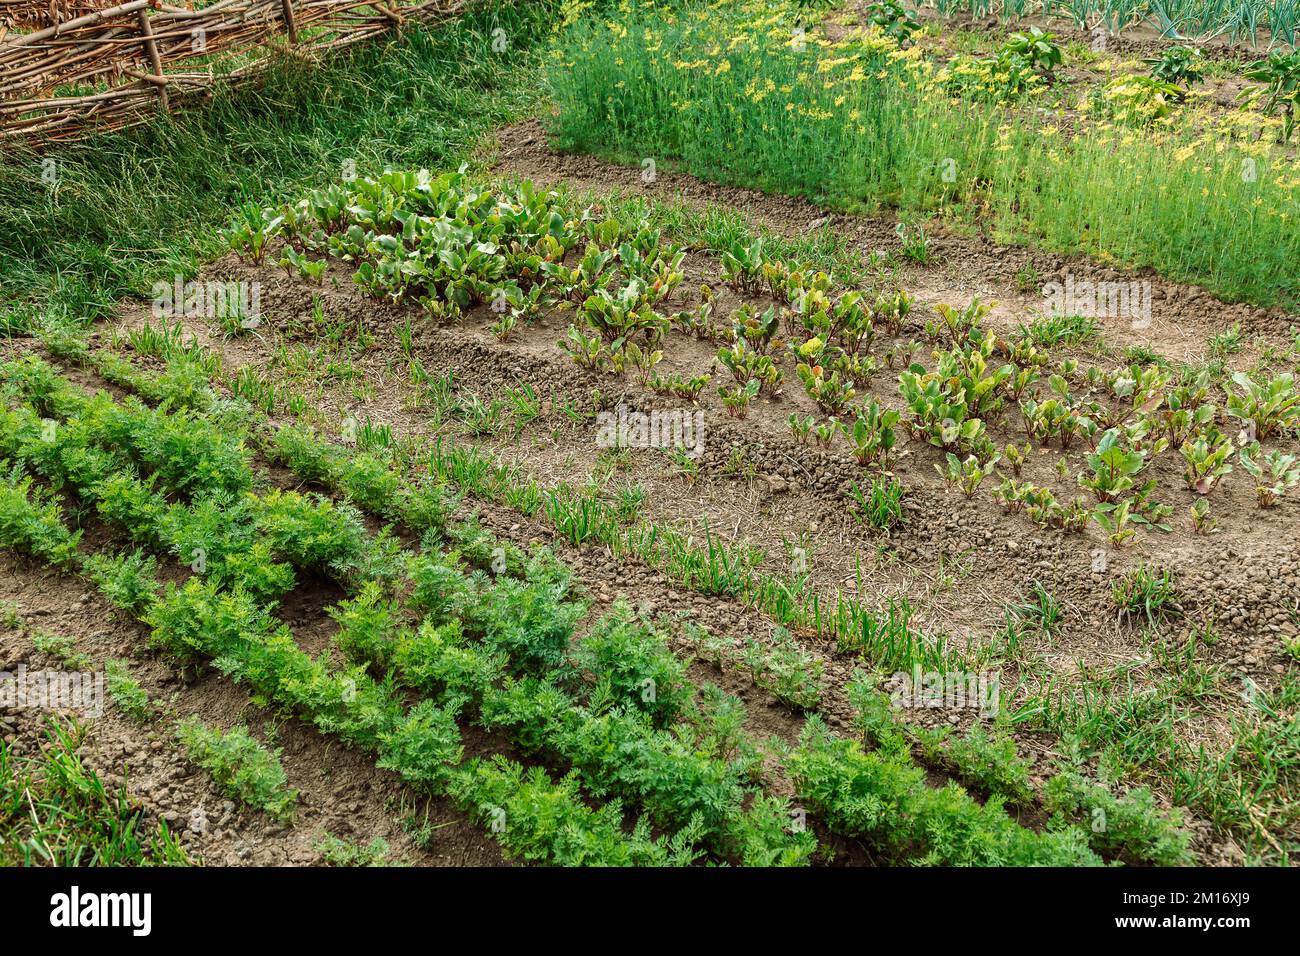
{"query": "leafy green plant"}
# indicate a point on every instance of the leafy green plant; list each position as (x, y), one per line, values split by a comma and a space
(548, 822)
(241, 766)
(916, 244)
(801, 427)
(63, 339)
(825, 432)
(1274, 473)
(675, 384)
(336, 851)
(881, 506)
(1113, 469)
(939, 411)
(956, 327)
(32, 522)
(986, 760)
(1036, 47)
(314, 270)
(1279, 73)
(969, 366)
(1044, 510)
(872, 434)
(62, 648)
(1202, 521)
(831, 393)
(1147, 591)
(1013, 494)
(742, 265)
(619, 317)
(1131, 825)
(252, 230)
(424, 747)
(1016, 457)
(1208, 460)
(783, 667)
(1115, 520)
(1187, 410)
(1180, 65)
(634, 667)
(758, 329)
(746, 365)
(891, 310)
(126, 692)
(882, 798)
(504, 327)
(1137, 100)
(689, 777)
(736, 399)
(1268, 405)
(1139, 390)
(309, 531)
(892, 18)
(966, 474)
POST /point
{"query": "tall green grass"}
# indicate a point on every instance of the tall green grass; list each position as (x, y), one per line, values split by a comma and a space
(57, 811)
(858, 126)
(130, 208)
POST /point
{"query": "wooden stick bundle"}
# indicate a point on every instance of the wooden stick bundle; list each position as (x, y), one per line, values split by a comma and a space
(100, 67)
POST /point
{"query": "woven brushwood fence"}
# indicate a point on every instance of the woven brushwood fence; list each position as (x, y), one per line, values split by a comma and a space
(71, 66)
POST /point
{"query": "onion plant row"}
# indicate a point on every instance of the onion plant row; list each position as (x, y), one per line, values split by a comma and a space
(1240, 21)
